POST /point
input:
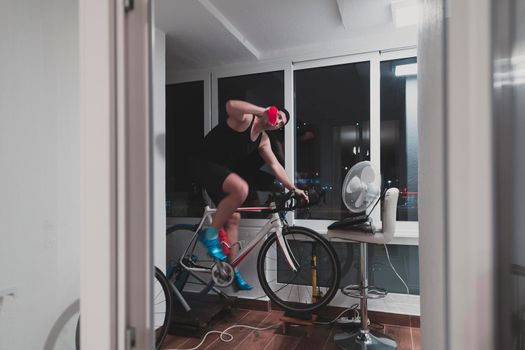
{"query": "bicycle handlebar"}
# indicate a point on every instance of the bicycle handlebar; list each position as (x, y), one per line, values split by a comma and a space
(289, 202)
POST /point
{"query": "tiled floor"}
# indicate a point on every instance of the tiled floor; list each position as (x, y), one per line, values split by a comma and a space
(272, 339)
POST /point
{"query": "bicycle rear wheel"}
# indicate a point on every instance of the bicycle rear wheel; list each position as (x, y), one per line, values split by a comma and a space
(162, 307)
(318, 265)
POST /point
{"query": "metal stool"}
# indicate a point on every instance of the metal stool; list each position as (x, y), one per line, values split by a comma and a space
(365, 338)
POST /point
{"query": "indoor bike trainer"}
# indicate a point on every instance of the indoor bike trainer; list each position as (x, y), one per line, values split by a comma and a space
(194, 313)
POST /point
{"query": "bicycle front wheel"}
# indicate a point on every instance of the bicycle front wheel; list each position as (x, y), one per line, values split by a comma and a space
(316, 280)
(162, 306)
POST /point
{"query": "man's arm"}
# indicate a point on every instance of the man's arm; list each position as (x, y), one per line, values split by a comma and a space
(238, 109)
(265, 150)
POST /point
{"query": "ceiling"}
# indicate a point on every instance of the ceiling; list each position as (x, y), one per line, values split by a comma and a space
(211, 33)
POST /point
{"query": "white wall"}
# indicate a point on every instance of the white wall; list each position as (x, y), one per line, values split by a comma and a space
(159, 151)
(404, 38)
(39, 177)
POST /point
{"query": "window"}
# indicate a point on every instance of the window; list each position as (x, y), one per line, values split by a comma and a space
(262, 89)
(334, 107)
(184, 131)
(332, 111)
(399, 136)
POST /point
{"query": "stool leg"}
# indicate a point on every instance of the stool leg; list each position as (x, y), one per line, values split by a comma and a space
(364, 286)
(364, 339)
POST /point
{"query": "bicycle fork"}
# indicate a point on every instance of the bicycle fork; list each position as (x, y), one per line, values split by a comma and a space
(285, 248)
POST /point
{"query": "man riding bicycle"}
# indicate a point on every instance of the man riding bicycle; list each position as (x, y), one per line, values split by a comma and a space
(224, 168)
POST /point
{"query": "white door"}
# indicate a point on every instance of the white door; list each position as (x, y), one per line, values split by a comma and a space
(456, 176)
(116, 222)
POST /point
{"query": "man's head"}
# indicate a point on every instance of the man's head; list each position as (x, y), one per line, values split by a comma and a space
(282, 119)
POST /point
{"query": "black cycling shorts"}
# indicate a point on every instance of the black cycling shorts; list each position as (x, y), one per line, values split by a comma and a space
(212, 175)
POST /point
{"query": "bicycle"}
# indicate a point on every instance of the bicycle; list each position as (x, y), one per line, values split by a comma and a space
(303, 277)
(162, 310)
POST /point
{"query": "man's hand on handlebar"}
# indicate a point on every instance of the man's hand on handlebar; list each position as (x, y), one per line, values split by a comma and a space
(301, 194)
(292, 200)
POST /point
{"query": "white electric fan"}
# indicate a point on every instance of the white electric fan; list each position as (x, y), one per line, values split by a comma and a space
(361, 188)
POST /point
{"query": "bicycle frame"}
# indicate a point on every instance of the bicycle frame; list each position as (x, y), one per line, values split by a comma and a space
(274, 224)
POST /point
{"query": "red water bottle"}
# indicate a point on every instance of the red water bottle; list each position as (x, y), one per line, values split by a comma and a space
(273, 112)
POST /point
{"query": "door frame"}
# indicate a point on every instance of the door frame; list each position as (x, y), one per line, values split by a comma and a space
(457, 267)
(116, 227)
(457, 274)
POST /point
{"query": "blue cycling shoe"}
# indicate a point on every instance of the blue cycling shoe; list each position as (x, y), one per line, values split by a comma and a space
(241, 283)
(209, 237)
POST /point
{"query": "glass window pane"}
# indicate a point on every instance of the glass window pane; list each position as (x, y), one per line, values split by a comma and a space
(332, 110)
(399, 138)
(262, 89)
(184, 131)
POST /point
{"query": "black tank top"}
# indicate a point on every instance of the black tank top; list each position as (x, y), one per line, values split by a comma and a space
(229, 147)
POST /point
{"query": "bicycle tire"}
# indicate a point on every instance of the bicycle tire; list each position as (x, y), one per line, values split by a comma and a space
(166, 305)
(162, 331)
(295, 236)
(77, 335)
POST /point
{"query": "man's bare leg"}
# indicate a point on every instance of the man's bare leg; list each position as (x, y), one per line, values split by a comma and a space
(236, 190)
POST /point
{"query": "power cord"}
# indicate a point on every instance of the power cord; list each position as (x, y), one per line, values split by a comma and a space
(353, 307)
(393, 269)
(228, 337)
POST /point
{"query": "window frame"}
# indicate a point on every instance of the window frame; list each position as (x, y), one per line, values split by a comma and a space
(407, 232)
(375, 146)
